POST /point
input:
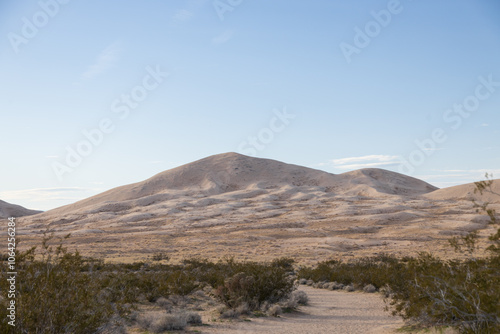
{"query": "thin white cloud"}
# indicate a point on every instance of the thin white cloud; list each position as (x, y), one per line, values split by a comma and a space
(440, 176)
(106, 59)
(223, 38)
(369, 165)
(367, 161)
(47, 198)
(474, 171)
(187, 13)
(433, 149)
(182, 15)
(452, 177)
(43, 192)
(379, 158)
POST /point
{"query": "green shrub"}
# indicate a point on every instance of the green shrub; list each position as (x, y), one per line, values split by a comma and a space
(55, 294)
(253, 283)
(378, 271)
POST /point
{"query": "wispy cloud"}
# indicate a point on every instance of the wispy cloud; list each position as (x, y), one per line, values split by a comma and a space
(182, 15)
(441, 176)
(188, 12)
(433, 149)
(223, 38)
(47, 198)
(474, 171)
(367, 161)
(106, 59)
(452, 177)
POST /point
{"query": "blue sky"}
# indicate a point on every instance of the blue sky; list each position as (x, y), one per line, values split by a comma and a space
(409, 86)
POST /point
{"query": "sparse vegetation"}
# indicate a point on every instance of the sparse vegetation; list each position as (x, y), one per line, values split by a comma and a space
(74, 294)
(53, 294)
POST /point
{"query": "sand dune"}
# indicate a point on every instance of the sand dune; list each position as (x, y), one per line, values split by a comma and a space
(466, 192)
(251, 208)
(12, 210)
(232, 172)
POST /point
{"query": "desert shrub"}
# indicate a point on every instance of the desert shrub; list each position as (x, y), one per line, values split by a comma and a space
(369, 288)
(181, 282)
(159, 321)
(378, 271)
(229, 314)
(193, 318)
(461, 294)
(284, 262)
(253, 283)
(55, 294)
(302, 281)
(208, 272)
(243, 309)
(164, 303)
(301, 297)
(293, 301)
(116, 325)
(349, 288)
(160, 257)
(275, 310)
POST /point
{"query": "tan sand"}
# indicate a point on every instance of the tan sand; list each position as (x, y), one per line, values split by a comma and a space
(329, 312)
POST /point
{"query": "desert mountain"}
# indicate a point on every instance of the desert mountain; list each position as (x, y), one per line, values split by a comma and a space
(251, 208)
(12, 210)
(230, 172)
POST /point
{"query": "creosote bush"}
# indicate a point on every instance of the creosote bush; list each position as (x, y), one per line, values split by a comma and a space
(252, 283)
(62, 292)
(54, 294)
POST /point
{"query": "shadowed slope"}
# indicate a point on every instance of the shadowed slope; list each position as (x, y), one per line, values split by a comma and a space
(12, 210)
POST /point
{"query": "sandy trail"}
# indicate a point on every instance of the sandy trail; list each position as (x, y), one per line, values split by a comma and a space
(327, 312)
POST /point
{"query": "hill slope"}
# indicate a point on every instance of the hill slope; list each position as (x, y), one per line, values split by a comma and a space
(466, 192)
(12, 210)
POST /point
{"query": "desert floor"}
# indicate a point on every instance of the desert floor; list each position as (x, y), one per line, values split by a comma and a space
(327, 312)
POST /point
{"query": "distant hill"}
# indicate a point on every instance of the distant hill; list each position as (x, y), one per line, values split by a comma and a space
(11, 210)
(229, 172)
(466, 192)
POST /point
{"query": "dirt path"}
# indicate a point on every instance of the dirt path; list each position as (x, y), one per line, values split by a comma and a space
(328, 312)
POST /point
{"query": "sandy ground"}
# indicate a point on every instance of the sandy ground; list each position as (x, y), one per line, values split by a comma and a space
(327, 312)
